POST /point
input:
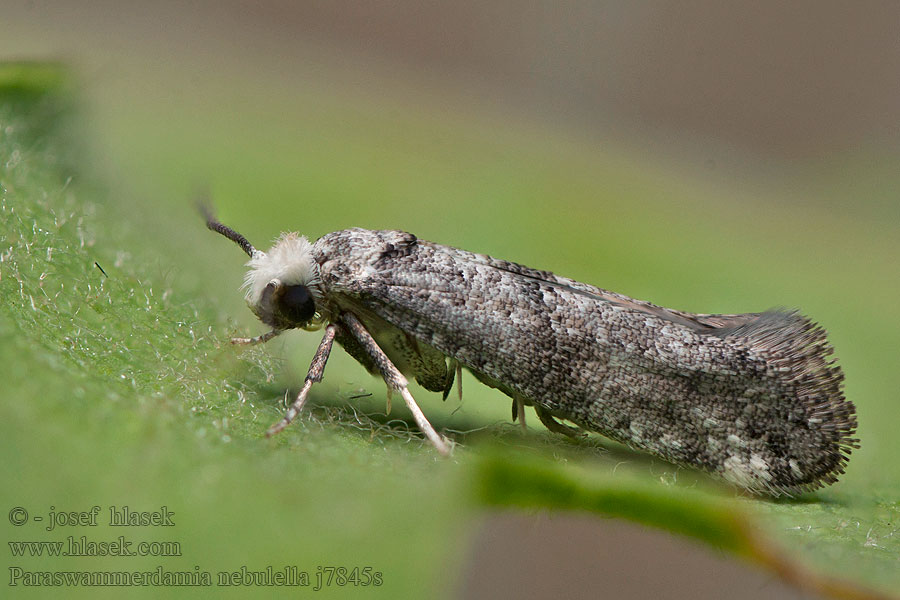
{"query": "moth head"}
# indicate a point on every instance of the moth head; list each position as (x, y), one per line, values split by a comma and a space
(282, 284)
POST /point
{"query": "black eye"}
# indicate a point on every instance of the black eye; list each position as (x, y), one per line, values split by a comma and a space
(297, 304)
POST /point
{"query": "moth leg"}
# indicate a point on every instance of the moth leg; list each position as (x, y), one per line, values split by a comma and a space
(454, 371)
(260, 339)
(554, 425)
(314, 375)
(394, 378)
(518, 412)
(448, 380)
(389, 396)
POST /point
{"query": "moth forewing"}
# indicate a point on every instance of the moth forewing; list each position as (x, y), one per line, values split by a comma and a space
(752, 398)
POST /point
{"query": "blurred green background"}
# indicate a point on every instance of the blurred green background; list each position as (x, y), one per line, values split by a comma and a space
(703, 158)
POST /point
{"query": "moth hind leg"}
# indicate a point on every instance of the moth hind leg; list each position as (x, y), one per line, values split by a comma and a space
(454, 372)
(554, 425)
(433, 371)
(518, 411)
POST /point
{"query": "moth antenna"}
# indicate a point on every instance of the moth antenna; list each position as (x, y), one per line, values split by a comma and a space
(213, 225)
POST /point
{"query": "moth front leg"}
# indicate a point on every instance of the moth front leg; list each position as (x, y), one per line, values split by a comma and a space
(394, 379)
(260, 339)
(314, 375)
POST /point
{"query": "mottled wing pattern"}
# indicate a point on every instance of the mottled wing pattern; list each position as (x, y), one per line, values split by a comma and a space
(752, 398)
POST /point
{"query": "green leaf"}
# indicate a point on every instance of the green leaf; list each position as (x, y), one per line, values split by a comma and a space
(120, 387)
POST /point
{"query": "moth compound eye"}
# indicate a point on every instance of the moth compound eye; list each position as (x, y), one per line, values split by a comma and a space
(296, 304)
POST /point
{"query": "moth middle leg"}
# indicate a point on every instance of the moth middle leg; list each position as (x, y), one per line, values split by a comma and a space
(394, 379)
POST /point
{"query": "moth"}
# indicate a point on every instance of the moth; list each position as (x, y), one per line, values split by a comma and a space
(755, 399)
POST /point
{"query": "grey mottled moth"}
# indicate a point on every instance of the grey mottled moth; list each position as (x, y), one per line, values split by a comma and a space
(752, 398)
